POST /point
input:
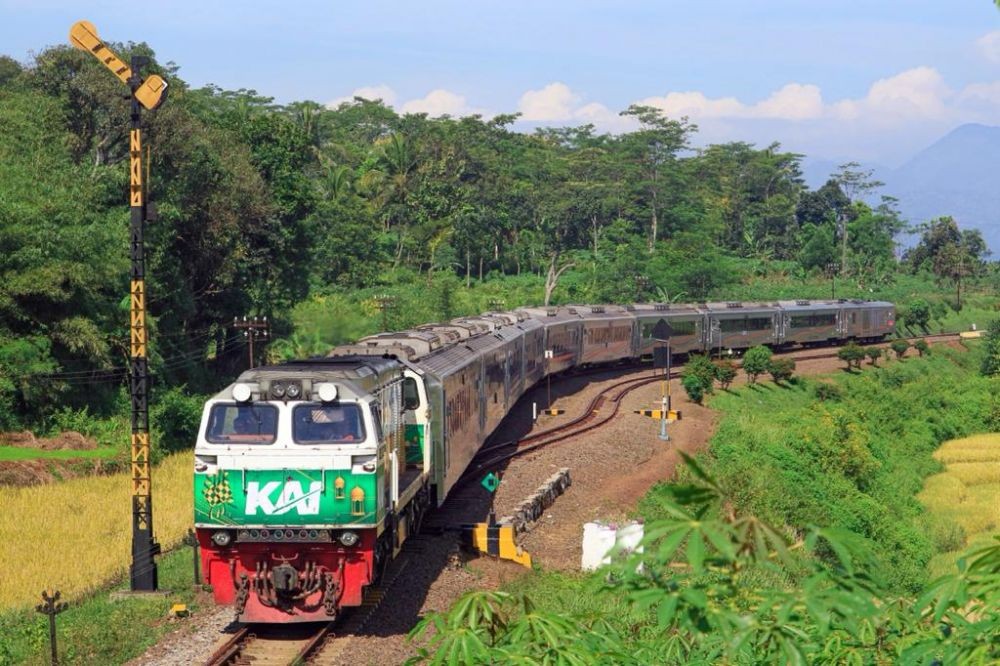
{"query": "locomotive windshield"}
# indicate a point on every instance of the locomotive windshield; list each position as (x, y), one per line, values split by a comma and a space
(242, 424)
(327, 424)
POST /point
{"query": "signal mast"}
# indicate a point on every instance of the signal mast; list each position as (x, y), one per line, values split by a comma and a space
(148, 94)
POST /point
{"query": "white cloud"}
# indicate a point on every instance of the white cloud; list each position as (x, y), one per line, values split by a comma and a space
(989, 46)
(554, 102)
(793, 101)
(916, 93)
(696, 105)
(381, 91)
(440, 102)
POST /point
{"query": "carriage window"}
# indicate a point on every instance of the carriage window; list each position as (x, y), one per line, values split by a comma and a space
(242, 424)
(759, 323)
(732, 325)
(327, 424)
(807, 321)
(411, 398)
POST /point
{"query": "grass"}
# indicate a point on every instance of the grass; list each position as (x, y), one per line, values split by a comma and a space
(25, 453)
(75, 536)
(96, 630)
(964, 499)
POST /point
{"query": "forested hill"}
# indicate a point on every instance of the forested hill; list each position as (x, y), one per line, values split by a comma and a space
(262, 206)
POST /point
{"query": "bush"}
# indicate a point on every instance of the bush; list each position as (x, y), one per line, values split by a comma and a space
(176, 415)
(701, 366)
(899, 347)
(918, 314)
(694, 386)
(991, 349)
(873, 354)
(781, 369)
(946, 534)
(921, 346)
(756, 362)
(725, 372)
(851, 354)
(825, 391)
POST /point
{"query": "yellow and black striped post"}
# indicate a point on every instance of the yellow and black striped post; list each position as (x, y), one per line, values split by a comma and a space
(147, 93)
(143, 572)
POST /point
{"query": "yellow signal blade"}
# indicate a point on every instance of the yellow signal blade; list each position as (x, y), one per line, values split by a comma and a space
(150, 93)
(83, 35)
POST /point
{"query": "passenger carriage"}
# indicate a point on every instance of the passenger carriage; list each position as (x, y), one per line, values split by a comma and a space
(740, 325)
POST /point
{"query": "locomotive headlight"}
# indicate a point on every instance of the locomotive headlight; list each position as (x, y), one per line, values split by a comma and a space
(278, 390)
(222, 538)
(349, 538)
(293, 391)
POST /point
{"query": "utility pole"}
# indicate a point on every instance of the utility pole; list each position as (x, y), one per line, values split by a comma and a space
(832, 269)
(253, 329)
(147, 93)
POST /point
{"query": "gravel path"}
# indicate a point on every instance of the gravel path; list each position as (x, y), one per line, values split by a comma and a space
(611, 468)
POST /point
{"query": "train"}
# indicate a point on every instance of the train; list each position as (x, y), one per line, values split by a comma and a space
(310, 475)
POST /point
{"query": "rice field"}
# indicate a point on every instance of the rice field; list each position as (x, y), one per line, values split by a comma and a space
(75, 536)
(967, 493)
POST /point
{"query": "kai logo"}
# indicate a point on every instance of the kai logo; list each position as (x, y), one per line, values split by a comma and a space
(292, 496)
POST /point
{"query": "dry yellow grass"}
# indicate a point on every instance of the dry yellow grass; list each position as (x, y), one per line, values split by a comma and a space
(76, 535)
(967, 493)
(976, 473)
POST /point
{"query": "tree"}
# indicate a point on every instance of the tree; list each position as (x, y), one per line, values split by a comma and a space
(652, 152)
(725, 372)
(918, 314)
(756, 362)
(899, 347)
(701, 366)
(873, 354)
(781, 369)
(991, 350)
(856, 183)
(694, 386)
(948, 252)
(851, 354)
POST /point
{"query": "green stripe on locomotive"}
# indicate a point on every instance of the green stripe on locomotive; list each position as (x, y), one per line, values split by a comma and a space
(414, 436)
(286, 497)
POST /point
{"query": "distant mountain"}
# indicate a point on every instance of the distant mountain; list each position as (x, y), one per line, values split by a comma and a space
(957, 175)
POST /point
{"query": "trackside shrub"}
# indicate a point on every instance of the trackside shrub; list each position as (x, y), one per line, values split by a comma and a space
(725, 372)
(701, 366)
(756, 362)
(781, 369)
(825, 391)
(873, 354)
(851, 354)
(899, 347)
(694, 386)
(921, 346)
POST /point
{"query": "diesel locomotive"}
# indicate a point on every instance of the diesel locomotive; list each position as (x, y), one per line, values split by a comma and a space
(310, 475)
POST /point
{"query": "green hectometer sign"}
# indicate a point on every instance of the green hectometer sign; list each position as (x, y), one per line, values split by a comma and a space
(285, 497)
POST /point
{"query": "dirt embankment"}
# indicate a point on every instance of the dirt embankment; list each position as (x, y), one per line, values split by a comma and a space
(39, 471)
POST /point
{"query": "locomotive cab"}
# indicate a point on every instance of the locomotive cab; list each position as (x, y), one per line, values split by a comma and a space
(297, 473)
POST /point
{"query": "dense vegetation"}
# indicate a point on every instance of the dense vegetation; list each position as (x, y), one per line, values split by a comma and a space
(307, 214)
(796, 539)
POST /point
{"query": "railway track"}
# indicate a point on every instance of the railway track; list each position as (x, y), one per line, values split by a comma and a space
(315, 643)
(594, 417)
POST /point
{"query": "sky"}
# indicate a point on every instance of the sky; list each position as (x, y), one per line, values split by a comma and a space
(871, 80)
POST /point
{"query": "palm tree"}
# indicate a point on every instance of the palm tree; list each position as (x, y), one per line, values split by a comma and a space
(390, 183)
